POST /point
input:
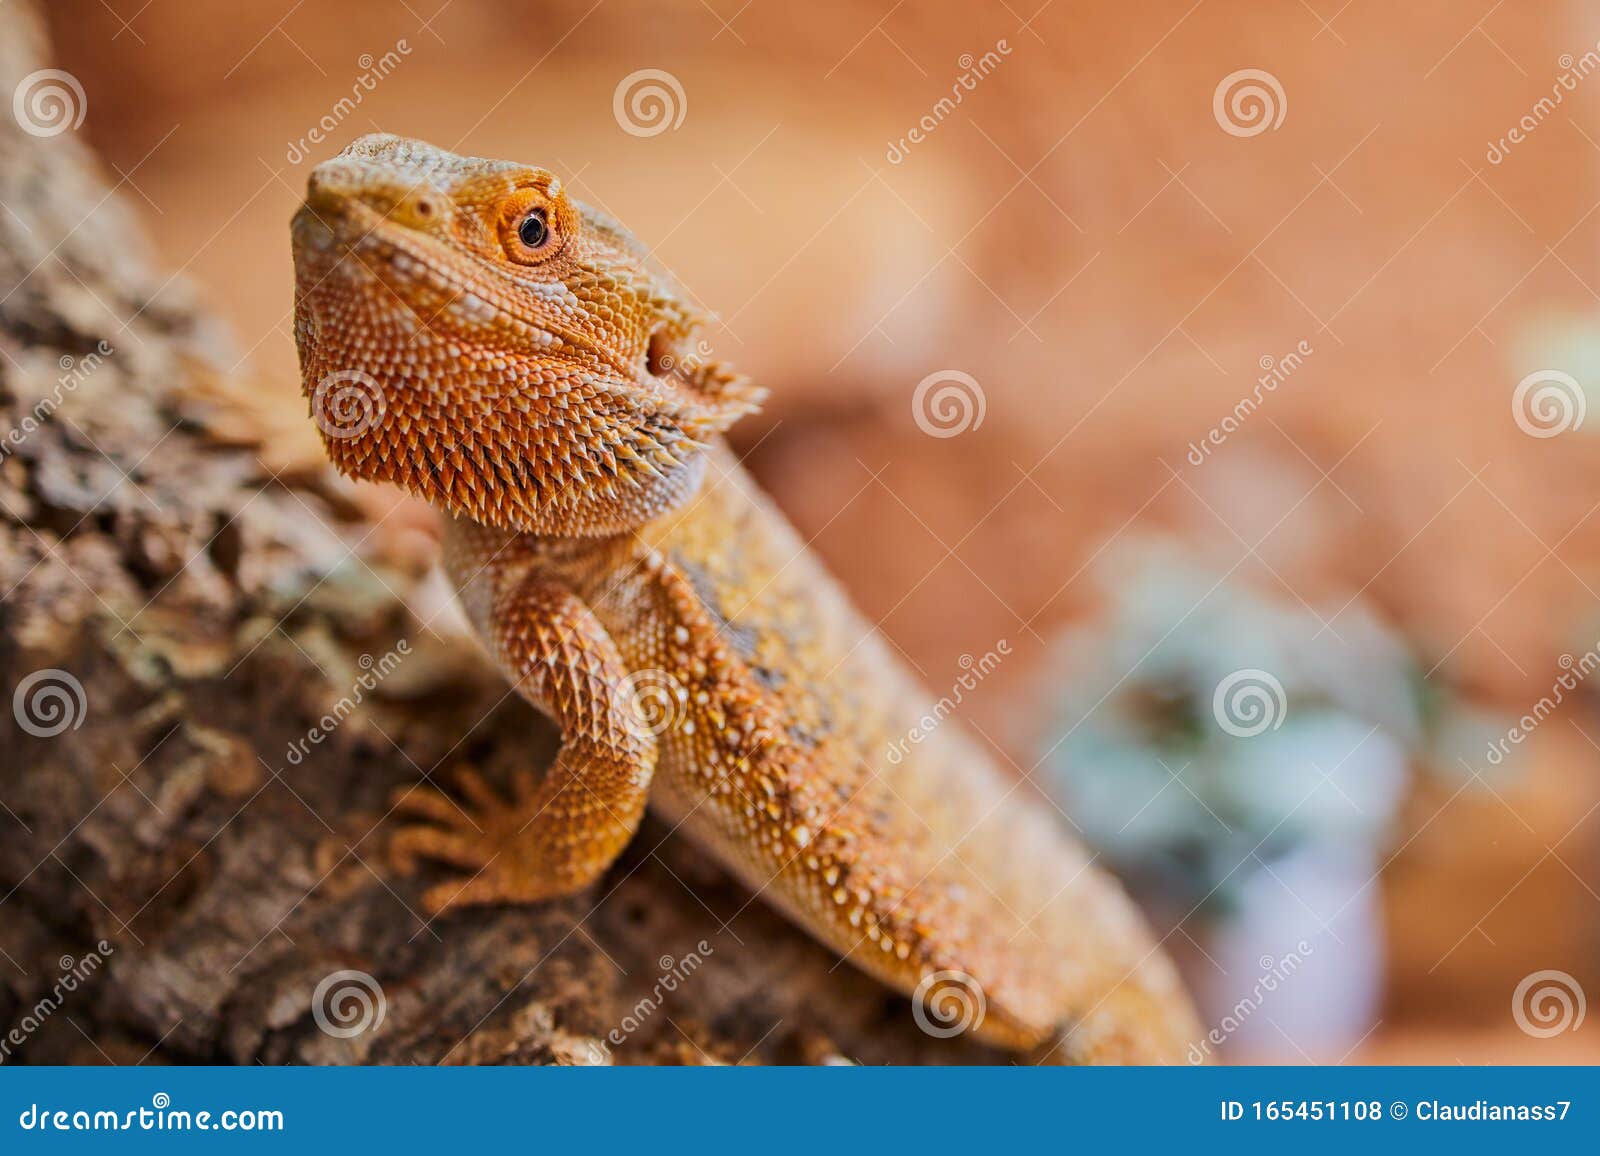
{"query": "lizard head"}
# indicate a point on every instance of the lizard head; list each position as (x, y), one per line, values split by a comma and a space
(470, 332)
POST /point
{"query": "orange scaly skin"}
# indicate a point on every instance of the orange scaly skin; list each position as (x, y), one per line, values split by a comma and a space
(538, 382)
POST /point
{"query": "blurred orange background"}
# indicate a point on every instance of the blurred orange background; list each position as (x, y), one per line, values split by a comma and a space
(1085, 237)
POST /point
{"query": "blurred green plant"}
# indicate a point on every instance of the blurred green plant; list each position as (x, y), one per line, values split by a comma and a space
(1203, 730)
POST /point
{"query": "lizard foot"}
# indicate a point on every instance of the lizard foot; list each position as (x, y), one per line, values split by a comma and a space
(494, 839)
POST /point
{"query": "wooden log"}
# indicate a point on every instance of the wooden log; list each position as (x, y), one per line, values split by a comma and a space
(218, 670)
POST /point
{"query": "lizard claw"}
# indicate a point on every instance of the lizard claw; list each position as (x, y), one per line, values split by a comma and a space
(488, 836)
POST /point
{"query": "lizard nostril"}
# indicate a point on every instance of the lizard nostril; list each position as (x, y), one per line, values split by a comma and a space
(418, 210)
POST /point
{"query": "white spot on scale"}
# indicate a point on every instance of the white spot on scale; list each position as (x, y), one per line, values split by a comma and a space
(472, 307)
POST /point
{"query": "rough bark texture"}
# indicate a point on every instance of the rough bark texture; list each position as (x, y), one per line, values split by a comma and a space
(213, 608)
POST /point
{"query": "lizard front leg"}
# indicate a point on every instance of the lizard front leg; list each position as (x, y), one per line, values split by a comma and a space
(557, 835)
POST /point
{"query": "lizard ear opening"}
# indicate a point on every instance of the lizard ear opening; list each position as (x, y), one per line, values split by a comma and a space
(659, 356)
(703, 396)
(710, 395)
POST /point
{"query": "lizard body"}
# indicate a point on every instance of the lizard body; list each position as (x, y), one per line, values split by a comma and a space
(473, 334)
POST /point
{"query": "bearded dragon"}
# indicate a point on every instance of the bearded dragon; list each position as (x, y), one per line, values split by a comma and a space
(470, 332)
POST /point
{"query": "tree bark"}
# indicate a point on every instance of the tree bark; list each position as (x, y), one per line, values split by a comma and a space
(219, 670)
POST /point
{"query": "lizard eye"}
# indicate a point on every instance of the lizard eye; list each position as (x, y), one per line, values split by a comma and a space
(534, 231)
